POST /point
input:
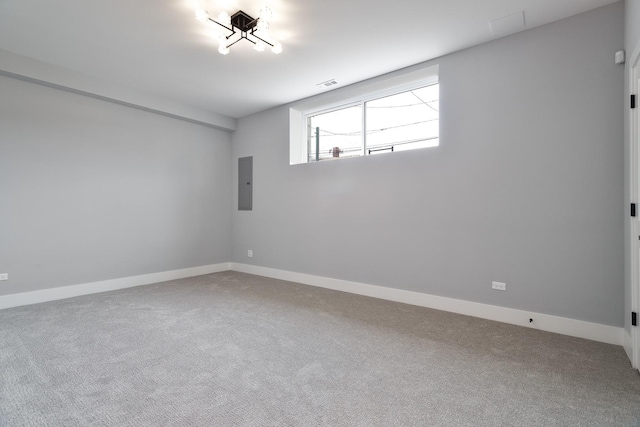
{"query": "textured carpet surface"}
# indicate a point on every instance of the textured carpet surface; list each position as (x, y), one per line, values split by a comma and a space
(231, 349)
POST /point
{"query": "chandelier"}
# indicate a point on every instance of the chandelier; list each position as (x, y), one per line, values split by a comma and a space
(242, 26)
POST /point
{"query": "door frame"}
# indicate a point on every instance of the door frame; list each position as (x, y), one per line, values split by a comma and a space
(634, 192)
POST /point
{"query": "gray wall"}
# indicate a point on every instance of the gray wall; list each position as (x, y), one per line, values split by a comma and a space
(632, 25)
(631, 42)
(92, 190)
(526, 187)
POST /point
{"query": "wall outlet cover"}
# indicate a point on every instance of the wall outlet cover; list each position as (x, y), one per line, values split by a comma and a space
(4, 276)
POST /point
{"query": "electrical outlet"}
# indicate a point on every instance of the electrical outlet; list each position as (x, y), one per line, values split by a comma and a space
(4, 276)
(250, 253)
(499, 286)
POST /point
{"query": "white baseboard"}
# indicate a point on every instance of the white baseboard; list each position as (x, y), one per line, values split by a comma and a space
(545, 322)
(627, 345)
(35, 297)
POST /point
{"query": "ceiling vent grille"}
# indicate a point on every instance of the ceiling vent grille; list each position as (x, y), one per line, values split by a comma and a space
(327, 84)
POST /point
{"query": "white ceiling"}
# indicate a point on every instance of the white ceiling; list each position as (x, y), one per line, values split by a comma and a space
(159, 48)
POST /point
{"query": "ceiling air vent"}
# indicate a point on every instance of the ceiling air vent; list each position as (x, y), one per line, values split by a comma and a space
(328, 83)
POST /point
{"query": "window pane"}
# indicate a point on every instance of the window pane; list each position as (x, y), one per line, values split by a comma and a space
(340, 134)
(404, 121)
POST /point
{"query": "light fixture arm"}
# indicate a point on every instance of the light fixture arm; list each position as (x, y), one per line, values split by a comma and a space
(243, 34)
(260, 38)
(223, 26)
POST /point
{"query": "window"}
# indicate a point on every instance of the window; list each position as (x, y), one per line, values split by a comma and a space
(335, 132)
(402, 121)
(395, 112)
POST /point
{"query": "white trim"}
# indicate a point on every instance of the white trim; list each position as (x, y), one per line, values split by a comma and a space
(627, 344)
(298, 153)
(634, 142)
(545, 322)
(357, 93)
(35, 297)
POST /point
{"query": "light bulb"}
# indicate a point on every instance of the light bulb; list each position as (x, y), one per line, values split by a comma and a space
(263, 25)
(259, 46)
(218, 37)
(223, 49)
(202, 15)
(224, 19)
(266, 13)
(277, 48)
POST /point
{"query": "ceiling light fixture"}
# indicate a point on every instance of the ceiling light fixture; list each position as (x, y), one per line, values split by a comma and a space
(242, 26)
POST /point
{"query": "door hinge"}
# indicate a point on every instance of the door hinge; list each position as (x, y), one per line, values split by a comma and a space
(634, 318)
(633, 101)
(633, 209)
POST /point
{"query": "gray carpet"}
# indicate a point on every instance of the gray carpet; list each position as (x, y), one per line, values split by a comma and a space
(231, 349)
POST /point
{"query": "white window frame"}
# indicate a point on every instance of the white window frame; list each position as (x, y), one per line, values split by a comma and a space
(357, 94)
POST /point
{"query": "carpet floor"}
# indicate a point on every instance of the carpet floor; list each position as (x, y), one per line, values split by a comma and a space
(232, 349)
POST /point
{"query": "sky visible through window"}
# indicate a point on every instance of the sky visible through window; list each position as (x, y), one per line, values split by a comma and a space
(404, 121)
